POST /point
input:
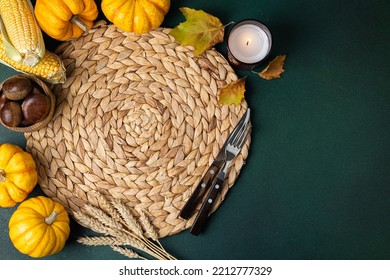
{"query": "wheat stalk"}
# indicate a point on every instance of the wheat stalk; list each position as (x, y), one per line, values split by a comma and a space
(89, 222)
(126, 238)
(149, 228)
(100, 215)
(120, 227)
(113, 242)
(147, 225)
(99, 241)
(133, 224)
(106, 205)
(127, 216)
(127, 252)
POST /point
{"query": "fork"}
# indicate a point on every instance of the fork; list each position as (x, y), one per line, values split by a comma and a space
(211, 174)
(232, 150)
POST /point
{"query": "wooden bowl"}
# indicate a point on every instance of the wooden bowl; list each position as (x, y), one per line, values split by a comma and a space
(47, 91)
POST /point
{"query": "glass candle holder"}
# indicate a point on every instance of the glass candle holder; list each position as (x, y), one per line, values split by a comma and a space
(249, 43)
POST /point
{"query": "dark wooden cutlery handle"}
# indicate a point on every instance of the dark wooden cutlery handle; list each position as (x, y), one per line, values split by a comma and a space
(199, 192)
(204, 212)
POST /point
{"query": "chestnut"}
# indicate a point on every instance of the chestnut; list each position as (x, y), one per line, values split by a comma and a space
(25, 123)
(3, 100)
(36, 89)
(17, 88)
(35, 107)
(11, 114)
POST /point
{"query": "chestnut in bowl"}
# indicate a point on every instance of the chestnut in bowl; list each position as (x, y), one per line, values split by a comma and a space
(11, 114)
(35, 107)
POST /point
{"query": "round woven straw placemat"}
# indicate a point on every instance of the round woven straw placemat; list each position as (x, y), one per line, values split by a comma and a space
(138, 120)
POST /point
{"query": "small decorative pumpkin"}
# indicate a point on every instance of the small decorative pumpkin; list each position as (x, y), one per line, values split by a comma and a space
(138, 16)
(18, 174)
(39, 227)
(65, 19)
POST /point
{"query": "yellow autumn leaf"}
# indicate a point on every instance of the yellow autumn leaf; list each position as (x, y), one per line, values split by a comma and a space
(200, 30)
(232, 93)
(274, 68)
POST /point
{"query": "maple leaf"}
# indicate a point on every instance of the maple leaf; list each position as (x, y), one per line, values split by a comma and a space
(274, 68)
(232, 93)
(200, 30)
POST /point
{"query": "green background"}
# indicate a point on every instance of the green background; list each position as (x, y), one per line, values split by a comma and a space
(316, 184)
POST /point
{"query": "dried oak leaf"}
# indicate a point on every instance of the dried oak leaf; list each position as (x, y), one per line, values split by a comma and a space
(200, 30)
(274, 68)
(232, 93)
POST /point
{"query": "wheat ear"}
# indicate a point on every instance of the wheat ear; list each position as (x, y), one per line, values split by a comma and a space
(99, 214)
(127, 217)
(151, 231)
(115, 219)
(99, 241)
(127, 252)
(105, 204)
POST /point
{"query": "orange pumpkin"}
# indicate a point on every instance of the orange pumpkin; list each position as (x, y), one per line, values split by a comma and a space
(18, 174)
(39, 227)
(138, 16)
(65, 19)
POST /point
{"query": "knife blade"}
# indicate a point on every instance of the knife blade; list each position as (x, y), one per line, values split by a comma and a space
(210, 176)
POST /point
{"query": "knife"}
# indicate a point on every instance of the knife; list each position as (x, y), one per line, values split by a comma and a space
(211, 173)
(231, 154)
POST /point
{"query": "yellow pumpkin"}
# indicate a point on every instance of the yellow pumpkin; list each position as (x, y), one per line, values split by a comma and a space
(18, 174)
(39, 227)
(138, 16)
(65, 19)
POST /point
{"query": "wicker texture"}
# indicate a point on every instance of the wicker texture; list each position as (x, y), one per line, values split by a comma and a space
(138, 120)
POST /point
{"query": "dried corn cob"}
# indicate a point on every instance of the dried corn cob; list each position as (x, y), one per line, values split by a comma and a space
(50, 67)
(21, 34)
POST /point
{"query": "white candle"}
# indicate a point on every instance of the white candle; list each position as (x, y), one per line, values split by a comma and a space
(249, 42)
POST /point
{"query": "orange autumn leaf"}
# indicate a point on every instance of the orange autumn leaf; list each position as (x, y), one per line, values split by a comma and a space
(274, 68)
(200, 30)
(232, 93)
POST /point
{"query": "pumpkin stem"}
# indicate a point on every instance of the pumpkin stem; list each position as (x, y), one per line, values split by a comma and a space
(75, 19)
(51, 219)
(2, 175)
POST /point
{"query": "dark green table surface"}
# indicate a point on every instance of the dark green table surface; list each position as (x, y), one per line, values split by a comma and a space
(317, 181)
